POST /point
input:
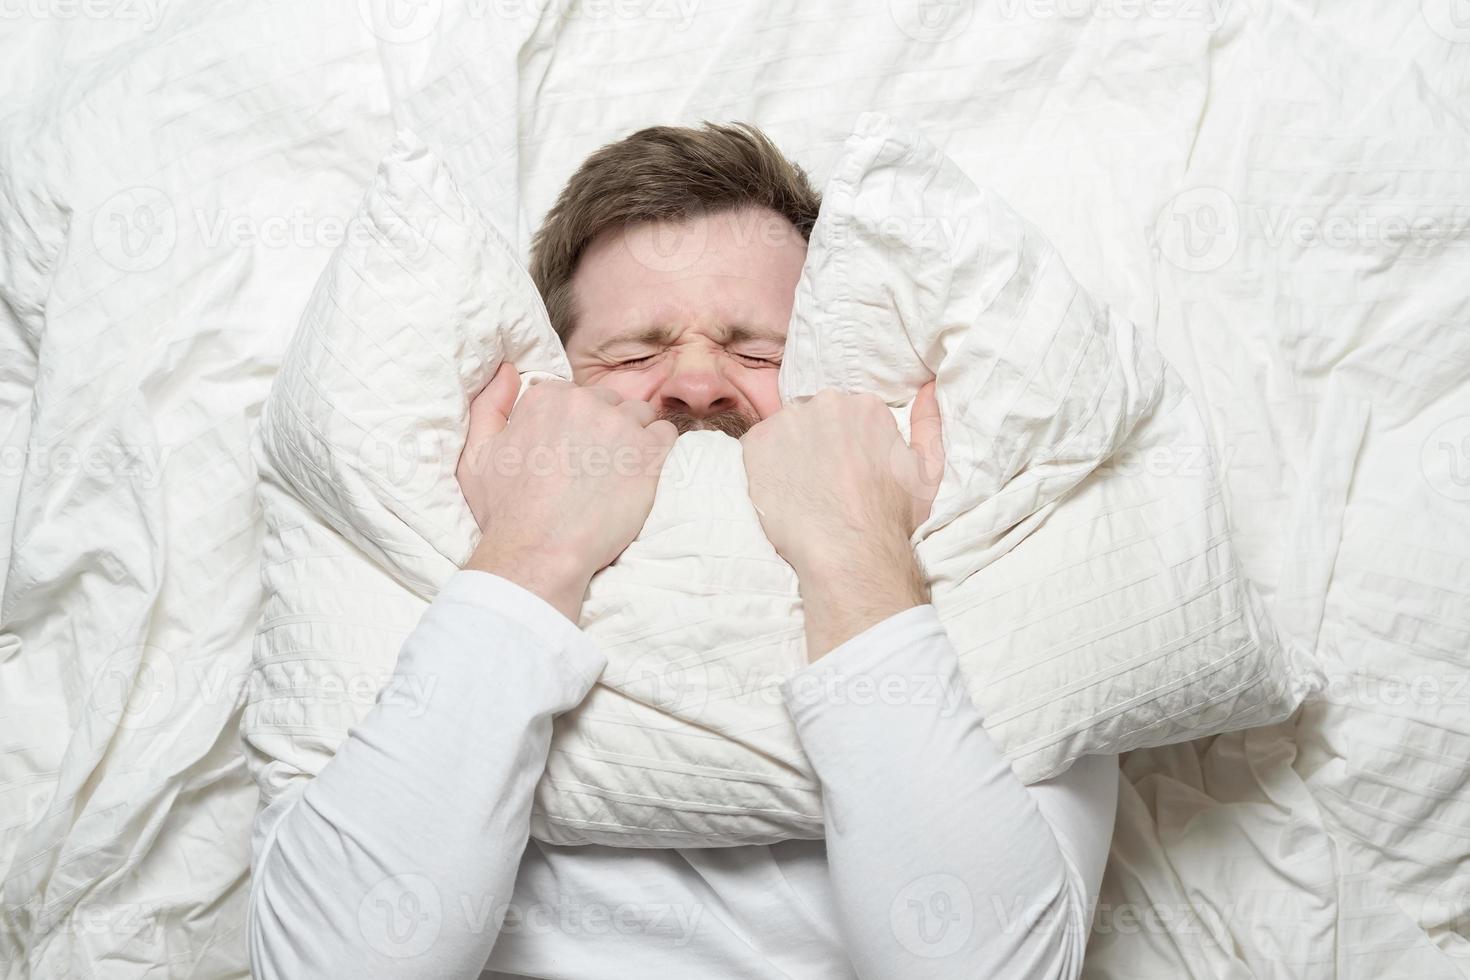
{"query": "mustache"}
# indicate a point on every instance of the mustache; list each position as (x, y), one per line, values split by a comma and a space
(732, 422)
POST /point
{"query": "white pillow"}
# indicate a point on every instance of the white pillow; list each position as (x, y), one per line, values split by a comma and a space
(1097, 607)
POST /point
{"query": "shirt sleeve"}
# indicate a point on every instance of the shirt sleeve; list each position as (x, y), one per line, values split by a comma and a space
(398, 858)
(943, 863)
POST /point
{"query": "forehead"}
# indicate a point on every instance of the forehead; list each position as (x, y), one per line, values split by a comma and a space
(735, 267)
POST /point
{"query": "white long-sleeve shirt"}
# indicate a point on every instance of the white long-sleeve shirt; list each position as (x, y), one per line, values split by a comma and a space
(409, 854)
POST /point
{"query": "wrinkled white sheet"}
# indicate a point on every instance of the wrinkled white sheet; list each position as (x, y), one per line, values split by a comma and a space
(1096, 606)
(1282, 184)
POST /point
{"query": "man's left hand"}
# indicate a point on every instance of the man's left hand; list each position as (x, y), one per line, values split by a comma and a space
(839, 494)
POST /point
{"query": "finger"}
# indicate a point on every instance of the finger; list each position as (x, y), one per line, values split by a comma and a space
(662, 433)
(763, 426)
(499, 397)
(665, 431)
(925, 435)
(640, 411)
(490, 409)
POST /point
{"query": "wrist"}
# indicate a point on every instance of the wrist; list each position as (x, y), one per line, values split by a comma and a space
(885, 560)
(848, 590)
(552, 577)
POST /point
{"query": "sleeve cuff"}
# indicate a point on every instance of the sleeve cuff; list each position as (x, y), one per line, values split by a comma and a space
(887, 639)
(491, 592)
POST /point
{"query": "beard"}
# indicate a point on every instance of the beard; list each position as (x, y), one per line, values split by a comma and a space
(733, 423)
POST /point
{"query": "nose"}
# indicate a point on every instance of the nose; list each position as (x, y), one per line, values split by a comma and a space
(696, 385)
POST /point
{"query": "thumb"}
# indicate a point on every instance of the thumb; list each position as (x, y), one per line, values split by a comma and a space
(490, 409)
(925, 436)
(489, 413)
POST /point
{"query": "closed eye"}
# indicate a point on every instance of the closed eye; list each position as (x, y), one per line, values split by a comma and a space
(748, 359)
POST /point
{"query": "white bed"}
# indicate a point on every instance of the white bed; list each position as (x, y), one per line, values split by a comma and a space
(1279, 192)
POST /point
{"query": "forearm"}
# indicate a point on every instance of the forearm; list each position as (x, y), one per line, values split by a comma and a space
(560, 579)
(394, 860)
(847, 588)
(943, 863)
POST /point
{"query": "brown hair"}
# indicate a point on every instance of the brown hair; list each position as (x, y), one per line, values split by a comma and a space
(663, 173)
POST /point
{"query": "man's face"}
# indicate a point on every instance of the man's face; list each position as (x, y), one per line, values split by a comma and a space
(689, 316)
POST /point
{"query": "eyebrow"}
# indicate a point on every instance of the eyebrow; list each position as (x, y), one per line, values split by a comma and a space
(659, 336)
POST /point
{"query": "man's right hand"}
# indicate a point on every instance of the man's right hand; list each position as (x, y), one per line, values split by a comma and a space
(560, 487)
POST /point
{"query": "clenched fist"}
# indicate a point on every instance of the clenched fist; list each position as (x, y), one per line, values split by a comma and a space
(562, 484)
(839, 494)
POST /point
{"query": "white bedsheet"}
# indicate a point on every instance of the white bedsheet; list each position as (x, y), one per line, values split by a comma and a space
(1254, 171)
(1096, 606)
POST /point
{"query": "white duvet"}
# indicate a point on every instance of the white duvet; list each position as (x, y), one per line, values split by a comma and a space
(1096, 603)
(172, 186)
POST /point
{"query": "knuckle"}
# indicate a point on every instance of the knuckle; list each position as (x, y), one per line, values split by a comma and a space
(758, 433)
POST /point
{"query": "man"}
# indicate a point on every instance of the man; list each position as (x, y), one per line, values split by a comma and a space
(668, 266)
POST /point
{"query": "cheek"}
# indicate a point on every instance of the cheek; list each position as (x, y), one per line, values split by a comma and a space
(763, 391)
(636, 385)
